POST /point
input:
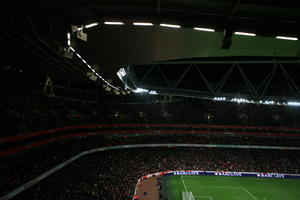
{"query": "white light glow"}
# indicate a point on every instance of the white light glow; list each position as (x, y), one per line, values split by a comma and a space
(269, 102)
(293, 103)
(153, 92)
(220, 98)
(170, 25)
(240, 100)
(91, 25)
(286, 38)
(140, 90)
(264, 102)
(68, 36)
(113, 23)
(122, 72)
(204, 29)
(245, 34)
(142, 24)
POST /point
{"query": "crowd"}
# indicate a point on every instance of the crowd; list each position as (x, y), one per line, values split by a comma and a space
(18, 168)
(23, 110)
(112, 175)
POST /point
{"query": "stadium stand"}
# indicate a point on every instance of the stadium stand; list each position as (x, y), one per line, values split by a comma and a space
(54, 112)
(113, 174)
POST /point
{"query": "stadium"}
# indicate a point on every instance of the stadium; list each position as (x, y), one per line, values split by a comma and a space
(150, 100)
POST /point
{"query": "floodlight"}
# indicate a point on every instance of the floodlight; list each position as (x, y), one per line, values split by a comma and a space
(286, 38)
(204, 29)
(170, 25)
(114, 23)
(245, 34)
(142, 24)
(91, 25)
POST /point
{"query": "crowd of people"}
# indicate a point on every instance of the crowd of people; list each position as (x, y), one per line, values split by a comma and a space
(23, 166)
(23, 110)
(112, 175)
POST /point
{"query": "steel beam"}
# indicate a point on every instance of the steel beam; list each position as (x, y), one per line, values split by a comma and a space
(147, 72)
(163, 75)
(205, 80)
(182, 76)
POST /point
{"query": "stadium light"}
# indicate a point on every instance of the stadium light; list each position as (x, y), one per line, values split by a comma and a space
(220, 98)
(293, 103)
(170, 25)
(140, 90)
(245, 34)
(91, 25)
(122, 72)
(240, 100)
(142, 24)
(69, 39)
(204, 29)
(263, 102)
(153, 92)
(114, 23)
(286, 38)
(269, 102)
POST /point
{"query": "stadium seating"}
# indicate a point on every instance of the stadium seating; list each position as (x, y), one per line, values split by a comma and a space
(113, 174)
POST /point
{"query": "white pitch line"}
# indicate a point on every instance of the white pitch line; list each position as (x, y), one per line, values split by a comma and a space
(183, 184)
(250, 193)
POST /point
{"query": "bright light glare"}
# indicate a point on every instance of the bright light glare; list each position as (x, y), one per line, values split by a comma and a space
(153, 92)
(142, 24)
(245, 34)
(122, 72)
(240, 100)
(140, 90)
(170, 25)
(91, 25)
(69, 39)
(114, 23)
(286, 38)
(204, 29)
(293, 103)
(220, 98)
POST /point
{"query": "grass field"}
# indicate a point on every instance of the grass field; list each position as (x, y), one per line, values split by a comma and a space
(232, 188)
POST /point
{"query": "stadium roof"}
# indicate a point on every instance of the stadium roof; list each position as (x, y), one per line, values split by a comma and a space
(34, 32)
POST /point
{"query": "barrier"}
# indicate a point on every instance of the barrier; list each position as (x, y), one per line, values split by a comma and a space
(225, 173)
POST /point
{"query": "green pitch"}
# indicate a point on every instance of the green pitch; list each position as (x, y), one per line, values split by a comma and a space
(232, 188)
